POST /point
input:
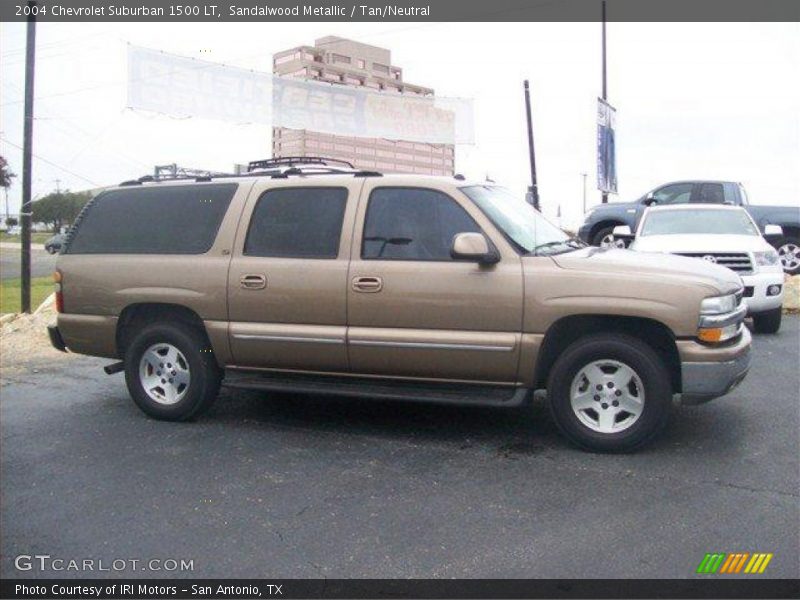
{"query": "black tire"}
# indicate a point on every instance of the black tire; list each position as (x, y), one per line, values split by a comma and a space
(597, 240)
(204, 374)
(630, 351)
(768, 321)
(788, 241)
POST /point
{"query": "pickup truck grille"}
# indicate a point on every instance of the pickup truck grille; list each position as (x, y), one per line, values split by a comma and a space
(735, 261)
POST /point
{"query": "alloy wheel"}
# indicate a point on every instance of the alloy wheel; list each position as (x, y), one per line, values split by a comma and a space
(607, 396)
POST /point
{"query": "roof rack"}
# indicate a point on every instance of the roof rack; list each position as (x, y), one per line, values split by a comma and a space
(278, 168)
(291, 161)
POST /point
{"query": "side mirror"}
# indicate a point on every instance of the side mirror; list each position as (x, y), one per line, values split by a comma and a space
(773, 230)
(473, 246)
(622, 231)
(650, 201)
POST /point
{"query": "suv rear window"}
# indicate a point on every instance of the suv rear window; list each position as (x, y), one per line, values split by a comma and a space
(153, 220)
(297, 223)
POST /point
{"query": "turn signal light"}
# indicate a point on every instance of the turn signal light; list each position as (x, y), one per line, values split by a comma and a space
(59, 294)
(718, 334)
(710, 335)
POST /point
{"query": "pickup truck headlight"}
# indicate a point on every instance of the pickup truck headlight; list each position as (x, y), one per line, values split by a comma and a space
(718, 305)
(766, 259)
(720, 318)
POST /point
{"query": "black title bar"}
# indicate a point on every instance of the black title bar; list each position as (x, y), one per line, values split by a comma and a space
(398, 10)
(208, 589)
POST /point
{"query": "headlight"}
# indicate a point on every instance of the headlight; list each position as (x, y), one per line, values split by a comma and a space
(718, 305)
(766, 259)
(720, 318)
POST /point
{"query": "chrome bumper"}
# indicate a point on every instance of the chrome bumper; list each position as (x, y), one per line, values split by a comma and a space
(704, 381)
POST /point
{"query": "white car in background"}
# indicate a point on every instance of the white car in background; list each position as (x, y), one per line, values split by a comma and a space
(725, 235)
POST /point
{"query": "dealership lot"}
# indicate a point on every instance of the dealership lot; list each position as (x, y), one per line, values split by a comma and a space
(298, 486)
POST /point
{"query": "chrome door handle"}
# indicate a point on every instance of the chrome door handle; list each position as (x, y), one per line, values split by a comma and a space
(367, 284)
(253, 281)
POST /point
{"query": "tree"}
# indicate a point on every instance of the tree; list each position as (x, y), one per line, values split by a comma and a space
(11, 222)
(59, 208)
(5, 179)
(5, 174)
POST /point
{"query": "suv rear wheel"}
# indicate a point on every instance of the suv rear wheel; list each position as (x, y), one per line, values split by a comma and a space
(170, 372)
(609, 392)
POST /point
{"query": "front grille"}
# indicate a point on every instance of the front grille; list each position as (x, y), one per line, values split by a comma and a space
(735, 261)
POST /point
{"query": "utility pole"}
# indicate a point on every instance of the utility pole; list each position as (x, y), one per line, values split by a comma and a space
(534, 188)
(27, 152)
(584, 175)
(605, 82)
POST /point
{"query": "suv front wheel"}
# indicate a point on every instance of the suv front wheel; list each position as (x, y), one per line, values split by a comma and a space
(609, 392)
(170, 372)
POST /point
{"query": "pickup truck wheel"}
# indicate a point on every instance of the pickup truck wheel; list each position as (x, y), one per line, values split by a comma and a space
(789, 253)
(605, 239)
(768, 321)
(610, 393)
(170, 373)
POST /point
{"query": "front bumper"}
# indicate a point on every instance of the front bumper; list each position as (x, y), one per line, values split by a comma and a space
(756, 291)
(55, 338)
(704, 380)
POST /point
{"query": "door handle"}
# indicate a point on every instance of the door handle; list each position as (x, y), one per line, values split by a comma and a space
(253, 281)
(367, 284)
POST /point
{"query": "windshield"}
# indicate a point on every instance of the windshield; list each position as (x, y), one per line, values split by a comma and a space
(706, 222)
(519, 221)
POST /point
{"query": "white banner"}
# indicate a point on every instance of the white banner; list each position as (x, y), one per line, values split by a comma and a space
(185, 87)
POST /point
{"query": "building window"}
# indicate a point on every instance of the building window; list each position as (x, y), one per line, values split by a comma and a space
(361, 64)
(379, 68)
(287, 58)
(396, 75)
(340, 58)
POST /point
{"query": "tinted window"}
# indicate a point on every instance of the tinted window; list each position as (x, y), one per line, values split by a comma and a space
(677, 193)
(153, 220)
(711, 193)
(412, 224)
(297, 223)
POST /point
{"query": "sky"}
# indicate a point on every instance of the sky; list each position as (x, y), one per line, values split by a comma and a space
(694, 100)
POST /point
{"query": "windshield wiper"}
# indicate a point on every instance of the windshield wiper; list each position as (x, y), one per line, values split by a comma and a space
(573, 243)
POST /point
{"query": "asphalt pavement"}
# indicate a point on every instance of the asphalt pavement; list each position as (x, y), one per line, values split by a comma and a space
(42, 263)
(294, 486)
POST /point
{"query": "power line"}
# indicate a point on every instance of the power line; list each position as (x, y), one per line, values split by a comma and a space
(52, 164)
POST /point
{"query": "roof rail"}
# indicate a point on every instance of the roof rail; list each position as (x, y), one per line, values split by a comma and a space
(316, 168)
(290, 161)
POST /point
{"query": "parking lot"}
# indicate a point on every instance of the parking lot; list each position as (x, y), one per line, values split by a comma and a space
(296, 486)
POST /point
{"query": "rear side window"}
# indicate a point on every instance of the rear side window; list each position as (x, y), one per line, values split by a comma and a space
(153, 220)
(412, 224)
(711, 193)
(297, 223)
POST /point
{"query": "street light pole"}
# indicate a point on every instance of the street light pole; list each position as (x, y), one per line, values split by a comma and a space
(605, 82)
(27, 153)
(534, 189)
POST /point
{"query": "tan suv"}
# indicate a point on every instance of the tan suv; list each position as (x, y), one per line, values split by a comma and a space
(390, 286)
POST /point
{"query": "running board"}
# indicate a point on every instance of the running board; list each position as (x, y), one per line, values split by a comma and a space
(382, 389)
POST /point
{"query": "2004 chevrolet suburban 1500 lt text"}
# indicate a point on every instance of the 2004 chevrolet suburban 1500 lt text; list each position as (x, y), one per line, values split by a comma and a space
(395, 286)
